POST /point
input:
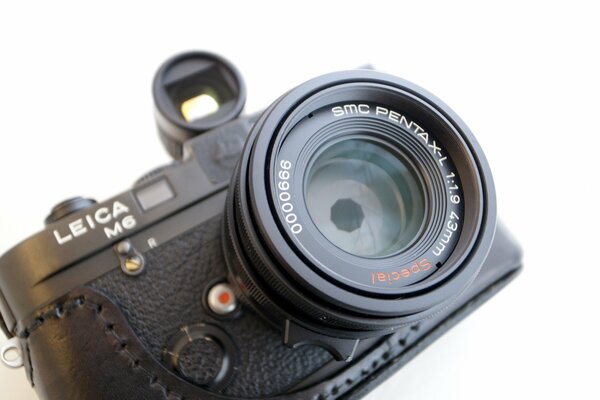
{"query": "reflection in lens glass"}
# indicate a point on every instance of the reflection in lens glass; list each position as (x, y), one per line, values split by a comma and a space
(365, 199)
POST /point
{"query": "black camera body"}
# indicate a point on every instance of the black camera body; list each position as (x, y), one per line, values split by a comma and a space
(263, 263)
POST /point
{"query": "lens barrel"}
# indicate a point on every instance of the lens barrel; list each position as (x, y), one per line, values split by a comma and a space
(361, 203)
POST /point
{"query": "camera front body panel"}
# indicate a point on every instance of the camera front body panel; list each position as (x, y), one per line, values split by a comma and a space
(79, 247)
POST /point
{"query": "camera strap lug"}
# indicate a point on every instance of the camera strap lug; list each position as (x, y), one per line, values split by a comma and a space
(12, 346)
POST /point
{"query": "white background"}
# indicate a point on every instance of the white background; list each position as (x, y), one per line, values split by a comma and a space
(76, 118)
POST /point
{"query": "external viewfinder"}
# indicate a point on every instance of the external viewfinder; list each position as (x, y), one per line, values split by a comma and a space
(195, 92)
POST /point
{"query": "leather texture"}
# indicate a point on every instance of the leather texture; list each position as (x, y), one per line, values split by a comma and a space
(106, 341)
(169, 295)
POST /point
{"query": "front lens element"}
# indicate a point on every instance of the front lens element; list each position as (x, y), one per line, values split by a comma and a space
(364, 198)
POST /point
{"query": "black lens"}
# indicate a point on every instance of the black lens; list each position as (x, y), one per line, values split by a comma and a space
(361, 203)
(365, 198)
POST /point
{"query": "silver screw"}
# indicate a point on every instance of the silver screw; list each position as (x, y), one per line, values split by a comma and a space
(134, 265)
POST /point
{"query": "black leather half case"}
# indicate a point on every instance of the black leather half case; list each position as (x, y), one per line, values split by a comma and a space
(104, 341)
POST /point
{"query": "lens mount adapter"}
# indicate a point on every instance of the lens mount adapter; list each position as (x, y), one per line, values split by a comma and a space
(361, 203)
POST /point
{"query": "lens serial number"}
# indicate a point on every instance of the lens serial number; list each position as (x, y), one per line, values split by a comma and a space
(285, 197)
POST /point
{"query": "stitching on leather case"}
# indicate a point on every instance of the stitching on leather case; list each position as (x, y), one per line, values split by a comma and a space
(395, 348)
(59, 312)
(363, 373)
(456, 316)
(29, 360)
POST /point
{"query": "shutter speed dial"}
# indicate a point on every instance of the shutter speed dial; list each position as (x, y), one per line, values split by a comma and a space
(68, 207)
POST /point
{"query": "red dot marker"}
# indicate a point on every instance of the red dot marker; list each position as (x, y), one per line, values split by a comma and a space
(224, 298)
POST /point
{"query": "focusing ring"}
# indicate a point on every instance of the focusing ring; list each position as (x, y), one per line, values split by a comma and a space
(273, 270)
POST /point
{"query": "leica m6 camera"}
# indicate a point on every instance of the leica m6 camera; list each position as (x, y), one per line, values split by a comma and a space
(304, 252)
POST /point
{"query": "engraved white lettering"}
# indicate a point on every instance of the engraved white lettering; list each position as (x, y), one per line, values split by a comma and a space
(381, 111)
(62, 239)
(119, 208)
(337, 111)
(118, 215)
(77, 227)
(90, 221)
(129, 222)
(115, 231)
(102, 216)
(351, 109)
